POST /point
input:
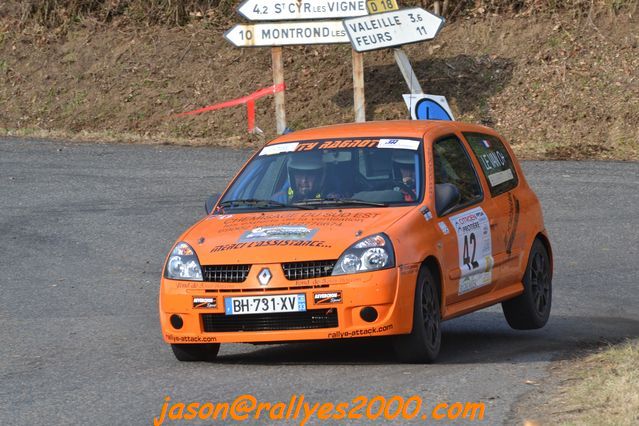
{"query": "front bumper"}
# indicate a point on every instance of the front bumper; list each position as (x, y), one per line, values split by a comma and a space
(390, 292)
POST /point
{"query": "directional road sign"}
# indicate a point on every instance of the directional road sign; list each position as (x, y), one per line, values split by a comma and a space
(287, 34)
(274, 10)
(394, 28)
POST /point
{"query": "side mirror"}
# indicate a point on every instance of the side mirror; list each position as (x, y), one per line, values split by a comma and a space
(210, 202)
(446, 197)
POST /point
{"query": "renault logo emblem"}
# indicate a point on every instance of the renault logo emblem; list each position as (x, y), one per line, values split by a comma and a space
(264, 276)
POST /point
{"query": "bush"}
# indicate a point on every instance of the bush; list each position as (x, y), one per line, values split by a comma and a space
(57, 13)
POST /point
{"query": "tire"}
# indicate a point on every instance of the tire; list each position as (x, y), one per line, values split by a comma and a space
(531, 309)
(423, 343)
(196, 352)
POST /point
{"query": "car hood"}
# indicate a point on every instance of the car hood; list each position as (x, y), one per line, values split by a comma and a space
(275, 237)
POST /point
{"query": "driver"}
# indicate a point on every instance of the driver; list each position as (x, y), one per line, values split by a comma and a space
(306, 174)
(404, 171)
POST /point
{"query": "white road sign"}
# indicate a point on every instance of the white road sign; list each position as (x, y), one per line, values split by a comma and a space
(274, 10)
(287, 34)
(394, 28)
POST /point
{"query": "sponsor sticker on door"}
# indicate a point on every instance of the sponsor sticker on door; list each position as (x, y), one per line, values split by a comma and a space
(475, 249)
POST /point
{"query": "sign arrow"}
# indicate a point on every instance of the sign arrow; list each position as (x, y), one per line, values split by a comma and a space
(287, 34)
(394, 28)
(269, 10)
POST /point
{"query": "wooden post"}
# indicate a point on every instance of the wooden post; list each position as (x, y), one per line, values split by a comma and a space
(445, 8)
(407, 71)
(278, 78)
(437, 8)
(359, 100)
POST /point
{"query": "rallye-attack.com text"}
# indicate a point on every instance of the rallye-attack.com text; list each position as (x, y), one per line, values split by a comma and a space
(247, 408)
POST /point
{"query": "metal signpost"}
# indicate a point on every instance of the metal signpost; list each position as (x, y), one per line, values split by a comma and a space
(391, 29)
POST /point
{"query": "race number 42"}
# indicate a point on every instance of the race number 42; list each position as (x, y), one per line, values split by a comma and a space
(474, 247)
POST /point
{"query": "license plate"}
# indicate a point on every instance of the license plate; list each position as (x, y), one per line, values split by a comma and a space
(264, 304)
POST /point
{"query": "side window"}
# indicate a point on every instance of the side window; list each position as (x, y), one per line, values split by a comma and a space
(453, 166)
(495, 162)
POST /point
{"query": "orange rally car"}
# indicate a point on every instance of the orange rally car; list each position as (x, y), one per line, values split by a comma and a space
(372, 229)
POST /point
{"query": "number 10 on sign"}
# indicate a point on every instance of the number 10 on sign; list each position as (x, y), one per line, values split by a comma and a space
(379, 6)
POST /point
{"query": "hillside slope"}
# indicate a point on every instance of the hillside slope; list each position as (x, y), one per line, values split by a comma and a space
(561, 85)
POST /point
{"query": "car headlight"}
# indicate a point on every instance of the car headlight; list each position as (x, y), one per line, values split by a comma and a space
(370, 254)
(183, 264)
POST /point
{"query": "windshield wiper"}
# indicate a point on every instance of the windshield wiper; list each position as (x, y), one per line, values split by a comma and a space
(262, 204)
(338, 201)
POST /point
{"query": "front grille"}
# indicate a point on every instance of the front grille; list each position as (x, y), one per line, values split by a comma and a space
(316, 318)
(225, 273)
(306, 270)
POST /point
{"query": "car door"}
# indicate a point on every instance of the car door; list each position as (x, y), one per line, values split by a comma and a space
(500, 178)
(465, 224)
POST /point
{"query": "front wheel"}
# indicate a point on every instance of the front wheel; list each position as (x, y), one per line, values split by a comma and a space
(196, 351)
(531, 309)
(423, 343)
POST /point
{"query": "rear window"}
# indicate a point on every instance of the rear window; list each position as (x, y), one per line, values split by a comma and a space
(494, 161)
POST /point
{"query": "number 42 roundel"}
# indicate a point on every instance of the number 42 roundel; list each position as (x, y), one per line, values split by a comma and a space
(474, 247)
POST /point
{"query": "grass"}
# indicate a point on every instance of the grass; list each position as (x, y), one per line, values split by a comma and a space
(230, 141)
(63, 13)
(606, 389)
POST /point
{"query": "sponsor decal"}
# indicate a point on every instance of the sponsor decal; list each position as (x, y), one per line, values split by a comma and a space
(500, 177)
(408, 269)
(430, 182)
(474, 248)
(444, 228)
(315, 219)
(336, 144)
(493, 160)
(271, 233)
(191, 284)
(513, 221)
(327, 297)
(189, 339)
(339, 279)
(204, 302)
(362, 332)
(399, 144)
(218, 215)
(278, 243)
(279, 148)
(396, 143)
(425, 211)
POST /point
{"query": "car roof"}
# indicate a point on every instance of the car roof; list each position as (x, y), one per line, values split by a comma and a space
(392, 128)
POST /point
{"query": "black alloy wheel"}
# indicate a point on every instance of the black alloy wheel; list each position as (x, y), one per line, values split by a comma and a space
(531, 309)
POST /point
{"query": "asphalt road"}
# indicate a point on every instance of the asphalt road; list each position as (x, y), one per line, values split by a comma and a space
(84, 229)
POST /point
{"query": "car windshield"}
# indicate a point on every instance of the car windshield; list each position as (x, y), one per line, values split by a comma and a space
(348, 173)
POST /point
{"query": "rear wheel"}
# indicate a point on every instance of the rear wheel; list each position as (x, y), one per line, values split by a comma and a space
(196, 352)
(423, 343)
(531, 309)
